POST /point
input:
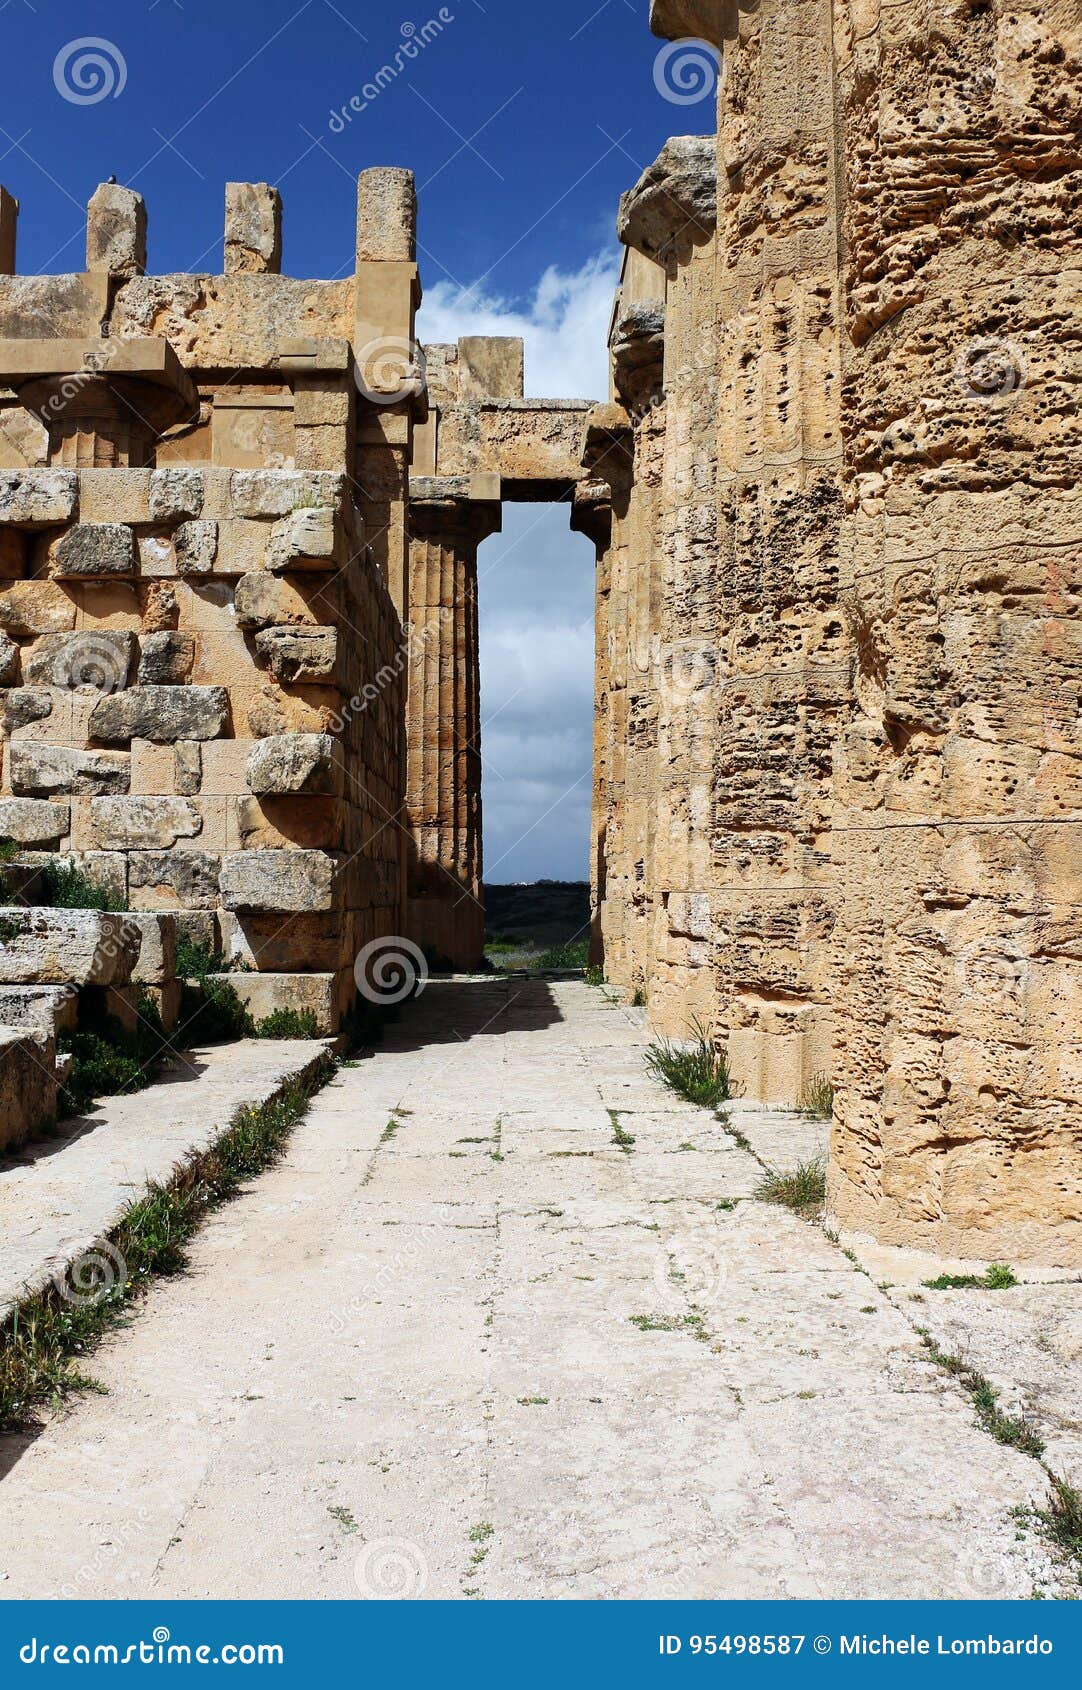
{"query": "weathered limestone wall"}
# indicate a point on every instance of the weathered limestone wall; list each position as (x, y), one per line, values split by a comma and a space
(202, 693)
(959, 955)
(870, 828)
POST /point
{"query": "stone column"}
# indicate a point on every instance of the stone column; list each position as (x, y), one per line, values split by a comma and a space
(958, 1121)
(449, 518)
(116, 232)
(253, 229)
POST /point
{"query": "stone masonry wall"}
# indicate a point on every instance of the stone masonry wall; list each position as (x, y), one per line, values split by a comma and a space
(202, 702)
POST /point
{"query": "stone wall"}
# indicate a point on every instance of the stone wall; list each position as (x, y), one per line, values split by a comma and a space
(836, 787)
(200, 653)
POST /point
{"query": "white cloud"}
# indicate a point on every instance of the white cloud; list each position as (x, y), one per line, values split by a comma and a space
(565, 326)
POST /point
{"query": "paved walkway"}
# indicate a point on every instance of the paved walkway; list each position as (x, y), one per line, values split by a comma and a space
(462, 1343)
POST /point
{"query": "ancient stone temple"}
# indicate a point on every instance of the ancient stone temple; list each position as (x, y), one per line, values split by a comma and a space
(833, 491)
(837, 785)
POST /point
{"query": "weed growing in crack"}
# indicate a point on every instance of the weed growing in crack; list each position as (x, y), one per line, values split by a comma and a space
(803, 1189)
(817, 1098)
(696, 1071)
(998, 1277)
(620, 1137)
(1015, 1430)
(46, 1338)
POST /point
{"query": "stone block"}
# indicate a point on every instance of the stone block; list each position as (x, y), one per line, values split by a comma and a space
(28, 608)
(115, 495)
(27, 1084)
(34, 821)
(299, 654)
(386, 215)
(143, 824)
(491, 366)
(277, 822)
(161, 713)
(289, 763)
(264, 994)
(47, 947)
(39, 498)
(40, 1009)
(253, 229)
(176, 494)
(157, 964)
(22, 706)
(166, 659)
(277, 880)
(273, 492)
(13, 550)
(116, 231)
(188, 774)
(39, 770)
(94, 549)
(98, 659)
(173, 880)
(262, 600)
(9, 661)
(157, 556)
(195, 545)
(305, 539)
(168, 1000)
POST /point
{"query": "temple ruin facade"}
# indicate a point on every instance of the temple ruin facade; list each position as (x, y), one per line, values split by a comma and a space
(833, 495)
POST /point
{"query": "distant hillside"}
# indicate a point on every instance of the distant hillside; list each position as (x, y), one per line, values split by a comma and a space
(548, 912)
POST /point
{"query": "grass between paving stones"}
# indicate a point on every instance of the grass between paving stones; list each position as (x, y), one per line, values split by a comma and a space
(998, 1277)
(803, 1189)
(695, 1071)
(46, 1339)
(624, 1140)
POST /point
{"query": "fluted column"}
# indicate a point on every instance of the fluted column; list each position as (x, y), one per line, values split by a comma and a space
(443, 786)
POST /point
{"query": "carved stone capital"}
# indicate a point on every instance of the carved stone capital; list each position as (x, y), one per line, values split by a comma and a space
(675, 202)
(708, 20)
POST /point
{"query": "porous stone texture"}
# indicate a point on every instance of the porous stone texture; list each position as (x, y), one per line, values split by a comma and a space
(195, 545)
(116, 231)
(94, 548)
(293, 763)
(299, 654)
(27, 1084)
(166, 659)
(41, 769)
(33, 821)
(47, 947)
(162, 714)
(253, 228)
(277, 880)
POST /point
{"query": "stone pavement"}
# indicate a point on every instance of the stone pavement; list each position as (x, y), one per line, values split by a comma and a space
(462, 1342)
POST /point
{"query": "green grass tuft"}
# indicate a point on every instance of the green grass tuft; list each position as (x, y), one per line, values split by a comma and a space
(803, 1189)
(696, 1071)
(574, 955)
(998, 1277)
(817, 1098)
(61, 886)
(289, 1024)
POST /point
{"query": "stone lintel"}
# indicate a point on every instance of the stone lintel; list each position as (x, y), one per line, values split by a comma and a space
(465, 505)
(608, 443)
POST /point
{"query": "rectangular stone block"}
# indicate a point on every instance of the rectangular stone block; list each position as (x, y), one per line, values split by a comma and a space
(143, 824)
(27, 1084)
(265, 994)
(92, 550)
(160, 880)
(95, 658)
(270, 492)
(47, 947)
(161, 713)
(386, 215)
(278, 880)
(28, 608)
(34, 821)
(39, 770)
(253, 229)
(38, 498)
(158, 949)
(299, 654)
(116, 231)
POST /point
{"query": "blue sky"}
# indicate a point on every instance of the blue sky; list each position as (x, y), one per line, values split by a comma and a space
(523, 123)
